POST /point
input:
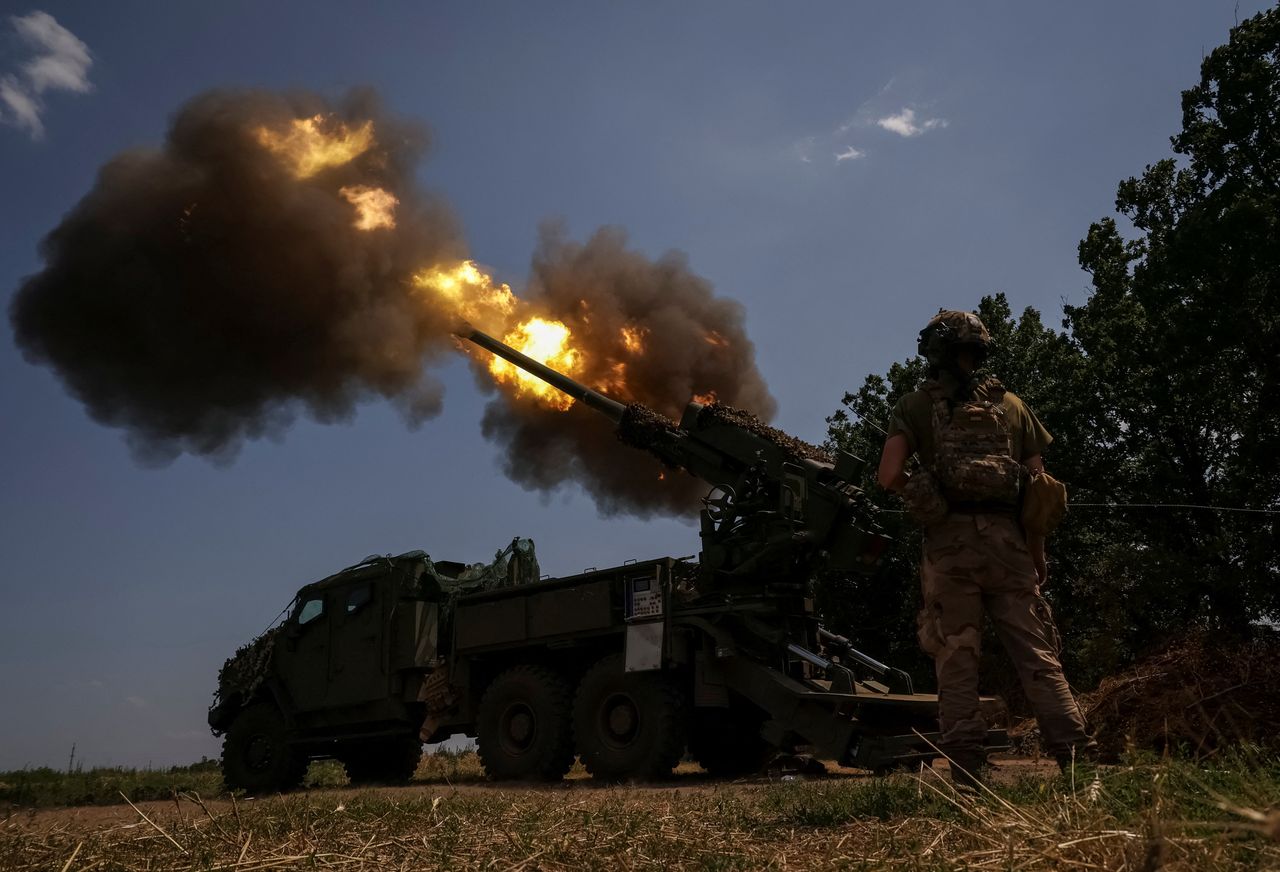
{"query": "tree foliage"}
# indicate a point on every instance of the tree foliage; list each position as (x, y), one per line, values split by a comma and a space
(1162, 388)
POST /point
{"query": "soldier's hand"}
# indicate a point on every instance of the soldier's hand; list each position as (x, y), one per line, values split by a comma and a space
(1042, 570)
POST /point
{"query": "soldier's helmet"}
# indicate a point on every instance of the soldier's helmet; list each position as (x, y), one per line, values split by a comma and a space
(949, 330)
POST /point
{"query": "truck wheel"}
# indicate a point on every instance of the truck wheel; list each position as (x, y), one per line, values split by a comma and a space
(726, 741)
(256, 754)
(628, 724)
(385, 761)
(523, 726)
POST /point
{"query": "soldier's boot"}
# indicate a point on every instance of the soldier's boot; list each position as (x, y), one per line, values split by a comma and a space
(968, 769)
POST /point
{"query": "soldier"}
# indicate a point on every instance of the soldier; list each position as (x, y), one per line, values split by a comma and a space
(977, 445)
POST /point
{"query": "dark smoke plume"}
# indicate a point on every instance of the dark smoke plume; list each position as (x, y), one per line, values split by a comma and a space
(200, 294)
(690, 342)
(203, 293)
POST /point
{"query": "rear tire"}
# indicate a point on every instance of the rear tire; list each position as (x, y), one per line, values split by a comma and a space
(384, 761)
(726, 742)
(628, 724)
(524, 731)
(256, 754)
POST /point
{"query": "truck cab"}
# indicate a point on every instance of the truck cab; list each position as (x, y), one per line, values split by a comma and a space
(339, 677)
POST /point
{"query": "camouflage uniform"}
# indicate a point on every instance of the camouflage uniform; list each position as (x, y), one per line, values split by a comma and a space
(976, 559)
(973, 562)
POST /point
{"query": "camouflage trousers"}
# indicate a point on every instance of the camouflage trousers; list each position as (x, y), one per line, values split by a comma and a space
(979, 562)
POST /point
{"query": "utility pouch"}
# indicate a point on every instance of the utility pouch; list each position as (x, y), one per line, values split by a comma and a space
(1044, 502)
(923, 498)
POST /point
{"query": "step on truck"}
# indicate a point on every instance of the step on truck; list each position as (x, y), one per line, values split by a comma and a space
(629, 668)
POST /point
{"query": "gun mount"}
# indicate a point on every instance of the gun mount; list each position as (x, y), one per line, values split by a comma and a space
(775, 501)
(780, 512)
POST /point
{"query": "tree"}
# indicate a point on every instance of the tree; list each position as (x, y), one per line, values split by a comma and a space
(1163, 388)
(1181, 337)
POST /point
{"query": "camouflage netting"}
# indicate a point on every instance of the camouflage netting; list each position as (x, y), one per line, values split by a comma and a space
(516, 564)
(722, 414)
(245, 670)
(1195, 696)
(643, 428)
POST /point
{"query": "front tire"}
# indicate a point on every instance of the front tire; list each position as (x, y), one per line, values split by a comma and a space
(256, 754)
(523, 725)
(628, 724)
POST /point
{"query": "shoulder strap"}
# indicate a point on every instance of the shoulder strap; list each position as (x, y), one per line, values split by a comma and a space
(994, 389)
(940, 399)
(941, 412)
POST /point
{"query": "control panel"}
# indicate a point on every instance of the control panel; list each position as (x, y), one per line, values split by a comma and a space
(644, 596)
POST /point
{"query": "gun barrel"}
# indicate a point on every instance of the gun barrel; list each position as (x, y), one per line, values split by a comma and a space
(612, 409)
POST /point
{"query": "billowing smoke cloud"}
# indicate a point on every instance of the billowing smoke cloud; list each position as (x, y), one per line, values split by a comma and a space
(201, 293)
(274, 257)
(683, 342)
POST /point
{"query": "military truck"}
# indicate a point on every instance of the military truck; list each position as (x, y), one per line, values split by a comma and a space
(627, 668)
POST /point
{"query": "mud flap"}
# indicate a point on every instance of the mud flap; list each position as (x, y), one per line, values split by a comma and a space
(644, 646)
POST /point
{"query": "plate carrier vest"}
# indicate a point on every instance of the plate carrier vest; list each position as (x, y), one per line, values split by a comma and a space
(973, 455)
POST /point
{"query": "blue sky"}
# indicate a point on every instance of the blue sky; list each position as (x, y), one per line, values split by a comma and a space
(979, 141)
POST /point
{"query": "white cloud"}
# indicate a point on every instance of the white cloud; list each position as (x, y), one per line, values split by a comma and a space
(63, 62)
(19, 107)
(904, 123)
(875, 111)
(59, 61)
(137, 702)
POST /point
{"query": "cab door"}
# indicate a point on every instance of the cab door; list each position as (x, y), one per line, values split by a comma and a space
(357, 666)
(302, 655)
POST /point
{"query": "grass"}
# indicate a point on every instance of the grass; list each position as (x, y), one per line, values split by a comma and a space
(45, 787)
(1145, 815)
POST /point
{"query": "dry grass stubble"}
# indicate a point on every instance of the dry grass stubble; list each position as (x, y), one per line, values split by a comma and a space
(1157, 815)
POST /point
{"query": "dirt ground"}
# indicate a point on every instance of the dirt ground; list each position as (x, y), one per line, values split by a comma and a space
(688, 778)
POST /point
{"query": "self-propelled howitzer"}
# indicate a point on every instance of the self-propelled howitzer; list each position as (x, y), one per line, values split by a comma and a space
(777, 503)
(625, 667)
(780, 514)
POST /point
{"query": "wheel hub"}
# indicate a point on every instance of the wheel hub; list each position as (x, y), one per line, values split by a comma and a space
(258, 752)
(517, 728)
(620, 720)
